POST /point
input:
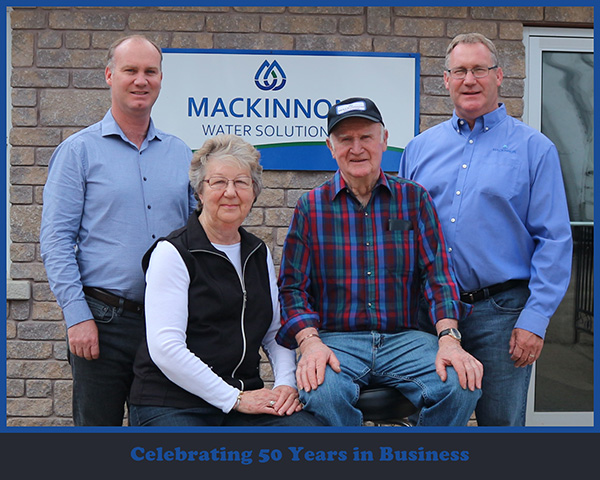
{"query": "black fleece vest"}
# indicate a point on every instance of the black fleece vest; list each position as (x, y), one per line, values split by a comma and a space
(227, 317)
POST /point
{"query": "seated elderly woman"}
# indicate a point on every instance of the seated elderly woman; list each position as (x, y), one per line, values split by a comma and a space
(211, 302)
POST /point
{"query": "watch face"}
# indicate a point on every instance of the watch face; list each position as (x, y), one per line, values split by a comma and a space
(453, 332)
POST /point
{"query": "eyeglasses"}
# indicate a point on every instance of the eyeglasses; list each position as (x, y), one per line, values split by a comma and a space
(478, 72)
(221, 183)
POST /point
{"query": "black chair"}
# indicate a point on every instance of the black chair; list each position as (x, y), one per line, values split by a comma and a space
(385, 405)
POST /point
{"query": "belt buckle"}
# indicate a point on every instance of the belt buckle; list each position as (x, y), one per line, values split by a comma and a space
(471, 297)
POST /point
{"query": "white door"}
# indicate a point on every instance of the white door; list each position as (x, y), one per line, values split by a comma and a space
(559, 101)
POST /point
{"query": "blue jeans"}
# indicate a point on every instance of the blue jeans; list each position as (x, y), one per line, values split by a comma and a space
(486, 334)
(152, 416)
(405, 361)
(101, 386)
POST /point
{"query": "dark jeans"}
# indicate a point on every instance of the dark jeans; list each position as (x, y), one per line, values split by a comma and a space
(151, 416)
(101, 387)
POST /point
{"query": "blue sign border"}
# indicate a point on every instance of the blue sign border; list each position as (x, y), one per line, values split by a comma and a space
(316, 156)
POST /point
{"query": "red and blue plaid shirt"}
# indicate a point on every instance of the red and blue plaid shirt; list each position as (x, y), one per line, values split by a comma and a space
(346, 267)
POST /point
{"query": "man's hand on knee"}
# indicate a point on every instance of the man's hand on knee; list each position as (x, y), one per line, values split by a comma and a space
(315, 356)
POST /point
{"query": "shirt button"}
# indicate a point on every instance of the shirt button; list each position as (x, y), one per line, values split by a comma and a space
(149, 207)
(145, 179)
(369, 274)
(458, 192)
(450, 249)
(453, 220)
(464, 165)
(471, 141)
(368, 244)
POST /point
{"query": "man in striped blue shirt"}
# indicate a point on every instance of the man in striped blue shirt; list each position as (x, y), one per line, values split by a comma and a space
(360, 250)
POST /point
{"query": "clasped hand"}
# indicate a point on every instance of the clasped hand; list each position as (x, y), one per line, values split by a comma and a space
(282, 400)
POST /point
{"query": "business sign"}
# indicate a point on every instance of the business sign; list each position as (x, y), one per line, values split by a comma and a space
(278, 100)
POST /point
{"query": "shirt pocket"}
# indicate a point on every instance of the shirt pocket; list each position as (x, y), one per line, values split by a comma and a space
(499, 174)
(401, 254)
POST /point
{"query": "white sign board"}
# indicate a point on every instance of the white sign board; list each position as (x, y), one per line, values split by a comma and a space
(278, 100)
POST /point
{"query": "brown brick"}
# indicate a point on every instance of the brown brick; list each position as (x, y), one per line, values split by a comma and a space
(29, 407)
(21, 194)
(449, 12)
(42, 293)
(253, 41)
(71, 58)
(38, 388)
(25, 222)
(26, 271)
(22, 49)
(298, 24)
(569, 14)
(24, 97)
(46, 311)
(192, 40)
(351, 26)
(49, 39)
(334, 43)
(28, 350)
(24, 117)
(27, 19)
(39, 78)
(511, 31)
(508, 13)
(78, 40)
(63, 404)
(43, 137)
(487, 28)
(379, 20)
(90, 78)
(87, 19)
(41, 331)
(73, 107)
(327, 10)
(419, 27)
(28, 175)
(395, 44)
(169, 21)
(22, 156)
(15, 388)
(22, 252)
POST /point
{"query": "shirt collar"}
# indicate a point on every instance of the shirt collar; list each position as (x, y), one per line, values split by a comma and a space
(111, 127)
(487, 121)
(339, 184)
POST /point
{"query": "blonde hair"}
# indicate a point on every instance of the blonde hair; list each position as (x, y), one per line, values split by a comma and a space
(226, 146)
(471, 38)
(110, 56)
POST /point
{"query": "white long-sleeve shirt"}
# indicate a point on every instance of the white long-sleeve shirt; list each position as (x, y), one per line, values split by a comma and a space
(166, 307)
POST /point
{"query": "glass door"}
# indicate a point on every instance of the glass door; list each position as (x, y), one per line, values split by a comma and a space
(559, 101)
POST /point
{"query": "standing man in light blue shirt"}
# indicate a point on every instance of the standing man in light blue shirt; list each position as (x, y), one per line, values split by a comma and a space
(499, 192)
(112, 190)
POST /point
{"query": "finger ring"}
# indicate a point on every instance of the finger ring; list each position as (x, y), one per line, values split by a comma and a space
(531, 355)
(271, 403)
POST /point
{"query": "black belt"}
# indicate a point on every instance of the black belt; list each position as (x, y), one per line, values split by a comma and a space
(483, 293)
(113, 300)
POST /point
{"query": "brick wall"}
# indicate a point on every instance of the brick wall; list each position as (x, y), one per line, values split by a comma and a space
(58, 87)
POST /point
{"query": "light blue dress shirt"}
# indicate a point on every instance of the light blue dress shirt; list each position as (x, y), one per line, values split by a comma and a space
(499, 192)
(105, 203)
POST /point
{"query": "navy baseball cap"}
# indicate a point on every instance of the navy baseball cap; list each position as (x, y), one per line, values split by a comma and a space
(353, 107)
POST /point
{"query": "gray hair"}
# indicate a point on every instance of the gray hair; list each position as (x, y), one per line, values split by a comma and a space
(226, 146)
(471, 38)
(110, 56)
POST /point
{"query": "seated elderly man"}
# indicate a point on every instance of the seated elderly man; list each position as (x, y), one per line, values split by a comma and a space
(360, 250)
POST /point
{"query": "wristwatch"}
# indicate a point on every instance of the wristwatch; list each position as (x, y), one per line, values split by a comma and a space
(453, 332)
